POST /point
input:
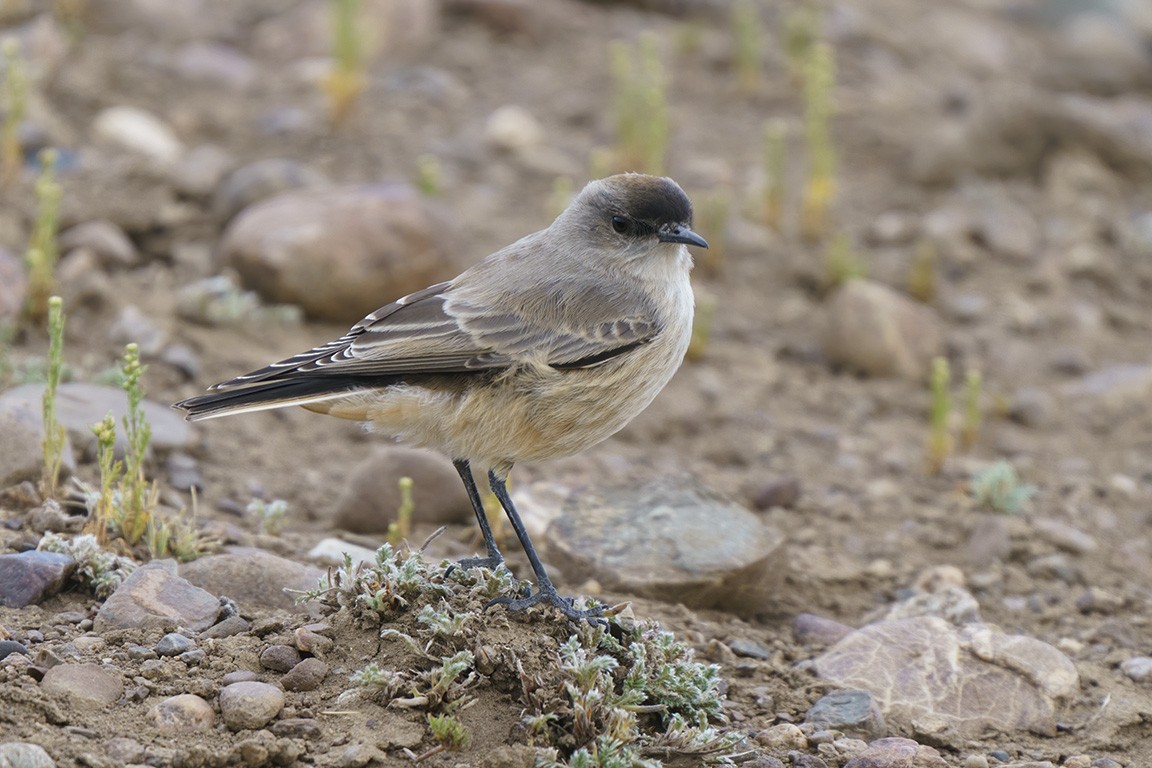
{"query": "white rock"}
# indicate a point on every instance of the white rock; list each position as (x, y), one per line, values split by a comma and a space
(137, 131)
(331, 551)
(513, 129)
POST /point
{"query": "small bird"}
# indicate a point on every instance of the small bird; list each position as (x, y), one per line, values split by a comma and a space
(544, 348)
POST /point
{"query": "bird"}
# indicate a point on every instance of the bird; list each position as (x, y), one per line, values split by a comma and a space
(542, 349)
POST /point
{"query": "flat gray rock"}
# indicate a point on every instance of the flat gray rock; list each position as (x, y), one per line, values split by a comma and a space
(669, 540)
(253, 578)
(154, 596)
(26, 578)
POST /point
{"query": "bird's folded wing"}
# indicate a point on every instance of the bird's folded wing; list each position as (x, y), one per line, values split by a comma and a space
(426, 333)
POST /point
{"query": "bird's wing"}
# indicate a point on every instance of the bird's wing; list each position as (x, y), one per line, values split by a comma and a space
(428, 332)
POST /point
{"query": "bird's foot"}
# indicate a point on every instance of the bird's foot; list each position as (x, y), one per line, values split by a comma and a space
(492, 562)
(565, 605)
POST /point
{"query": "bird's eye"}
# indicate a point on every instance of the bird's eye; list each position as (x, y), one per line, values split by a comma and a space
(620, 225)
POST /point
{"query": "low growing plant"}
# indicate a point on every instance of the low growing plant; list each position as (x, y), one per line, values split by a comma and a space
(55, 437)
(998, 488)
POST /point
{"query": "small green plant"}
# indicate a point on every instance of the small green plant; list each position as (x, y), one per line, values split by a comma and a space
(922, 283)
(775, 140)
(139, 496)
(748, 45)
(269, 515)
(15, 105)
(820, 187)
(448, 732)
(999, 489)
(701, 327)
(940, 416)
(55, 436)
(176, 536)
(346, 80)
(43, 250)
(640, 105)
(801, 31)
(429, 176)
(841, 263)
(401, 529)
(714, 217)
(973, 409)
(96, 568)
(103, 506)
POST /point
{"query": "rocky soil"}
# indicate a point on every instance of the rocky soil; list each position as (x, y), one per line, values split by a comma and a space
(772, 508)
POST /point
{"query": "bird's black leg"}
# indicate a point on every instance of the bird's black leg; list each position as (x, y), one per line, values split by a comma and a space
(545, 593)
(494, 559)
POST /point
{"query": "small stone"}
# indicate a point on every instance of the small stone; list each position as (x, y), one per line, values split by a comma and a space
(250, 705)
(133, 327)
(8, 647)
(124, 751)
(182, 714)
(255, 579)
(88, 685)
(783, 736)
(140, 652)
(750, 649)
(137, 131)
(372, 491)
(975, 761)
(20, 754)
(28, 578)
(1138, 668)
(1105, 762)
(331, 551)
(193, 656)
(1031, 407)
(261, 180)
(199, 171)
(513, 129)
(297, 728)
(173, 644)
(781, 492)
(893, 228)
(1009, 230)
(183, 472)
(853, 712)
(233, 625)
(1098, 600)
(308, 641)
(108, 242)
(895, 752)
(1077, 761)
(305, 676)
(279, 658)
(154, 596)
(239, 676)
(672, 540)
(877, 331)
(1065, 536)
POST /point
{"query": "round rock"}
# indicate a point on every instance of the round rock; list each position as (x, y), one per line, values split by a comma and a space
(253, 578)
(897, 753)
(21, 754)
(305, 676)
(372, 493)
(248, 706)
(279, 658)
(137, 131)
(340, 253)
(85, 684)
(183, 713)
(669, 540)
(173, 644)
(249, 184)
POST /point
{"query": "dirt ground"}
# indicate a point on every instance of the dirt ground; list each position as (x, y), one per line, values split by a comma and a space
(762, 403)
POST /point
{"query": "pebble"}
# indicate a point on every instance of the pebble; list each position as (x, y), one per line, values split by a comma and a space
(1065, 536)
(154, 596)
(183, 472)
(233, 625)
(261, 180)
(671, 539)
(134, 327)
(1138, 668)
(340, 253)
(200, 171)
(255, 579)
(895, 752)
(309, 641)
(182, 714)
(239, 676)
(371, 492)
(124, 751)
(1009, 229)
(8, 647)
(137, 131)
(27, 578)
(297, 728)
(87, 685)
(250, 705)
(783, 736)
(1031, 407)
(781, 492)
(1099, 600)
(305, 676)
(173, 644)
(279, 658)
(513, 129)
(853, 712)
(810, 629)
(108, 243)
(193, 656)
(21, 754)
(750, 649)
(877, 331)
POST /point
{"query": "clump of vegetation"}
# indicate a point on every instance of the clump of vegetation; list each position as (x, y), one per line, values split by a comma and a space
(940, 416)
(625, 695)
(346, 80)
(429, 177)
(973, 410)
(401, 529)
(999, 489)
(269, 515)
(55, 437)
(922, 282)
(138, 496)
(96, 568)
(841, 263)
(748, 45)
(43, 249)
(15, 106)
(640, 106)
(820, 187)
(775, 139)
(801, 31)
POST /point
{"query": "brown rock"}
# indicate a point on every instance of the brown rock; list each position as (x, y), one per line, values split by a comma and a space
(305, 676)
(87, 685)
(248, 706)
(26, 578)
(372, 493)
(154, 596)
(895, 752)
(262, 180)
(279, 658)
(339, 253)
(253, 578)
(105, 240)
(181, 714)
(877, 331)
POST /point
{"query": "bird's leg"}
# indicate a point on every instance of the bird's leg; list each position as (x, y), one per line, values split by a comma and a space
(494, 559)
(545, 593)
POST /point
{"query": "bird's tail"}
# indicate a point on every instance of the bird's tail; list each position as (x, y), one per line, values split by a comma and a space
(268, 395)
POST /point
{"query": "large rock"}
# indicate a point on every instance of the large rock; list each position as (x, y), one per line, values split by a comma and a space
(339, 253)
(79, 405)
(253, 578)
(670, 540)
(88, 685)
(968, 679)
(154, 596)
(27, 578)
(250, 705)
(371, 495)
(877, 331)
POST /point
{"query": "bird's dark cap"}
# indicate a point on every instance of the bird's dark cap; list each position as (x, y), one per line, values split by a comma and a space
(655, 200)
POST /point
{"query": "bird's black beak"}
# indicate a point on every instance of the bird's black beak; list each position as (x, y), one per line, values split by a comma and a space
(678, 233)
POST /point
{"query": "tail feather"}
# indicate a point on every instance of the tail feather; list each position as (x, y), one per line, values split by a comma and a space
(269, 395)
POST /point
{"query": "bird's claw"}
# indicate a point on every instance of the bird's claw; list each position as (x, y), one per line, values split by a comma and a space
(566, 606)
